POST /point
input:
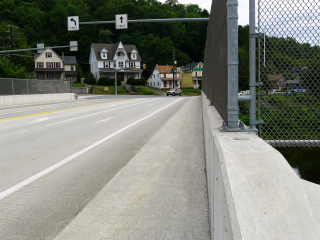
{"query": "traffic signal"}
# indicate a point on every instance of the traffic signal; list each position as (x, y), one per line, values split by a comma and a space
(144, 66)
(135, 68)
(191, 69)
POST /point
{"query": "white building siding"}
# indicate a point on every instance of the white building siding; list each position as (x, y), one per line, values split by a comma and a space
(155, 79)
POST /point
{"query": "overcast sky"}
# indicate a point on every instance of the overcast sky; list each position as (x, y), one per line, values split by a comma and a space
(243, 8)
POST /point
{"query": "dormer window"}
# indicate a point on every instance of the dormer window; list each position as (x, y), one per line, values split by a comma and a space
(48, 55)
(134, 54)
(103, 54)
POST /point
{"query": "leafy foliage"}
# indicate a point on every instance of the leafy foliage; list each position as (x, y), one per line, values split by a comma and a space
(46, 22)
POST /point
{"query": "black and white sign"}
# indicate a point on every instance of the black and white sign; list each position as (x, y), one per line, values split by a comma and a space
(73, 23)
(121, 21)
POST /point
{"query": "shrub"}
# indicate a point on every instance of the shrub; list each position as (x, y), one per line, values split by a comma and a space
(137, 82)
(130, 80)
(105, 81)
(89, 79)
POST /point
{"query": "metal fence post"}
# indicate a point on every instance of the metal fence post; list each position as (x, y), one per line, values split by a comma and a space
(252, 63)
(233, 107)
(28, 86)
(12, 86)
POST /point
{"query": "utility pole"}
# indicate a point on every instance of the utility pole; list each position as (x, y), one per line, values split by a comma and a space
(174, 53)
(11, 42)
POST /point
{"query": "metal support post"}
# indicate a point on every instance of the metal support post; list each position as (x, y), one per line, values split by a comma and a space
(252, 63)
(12, 86)
(115, 74)
(233, 108)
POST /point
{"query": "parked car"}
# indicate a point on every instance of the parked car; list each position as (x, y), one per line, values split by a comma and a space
(242, 93)
(174, 92)
(276, 92)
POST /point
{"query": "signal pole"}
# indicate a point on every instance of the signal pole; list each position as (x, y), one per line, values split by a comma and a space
(173, 68)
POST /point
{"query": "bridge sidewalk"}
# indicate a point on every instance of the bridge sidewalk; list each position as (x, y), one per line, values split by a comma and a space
(160, 194)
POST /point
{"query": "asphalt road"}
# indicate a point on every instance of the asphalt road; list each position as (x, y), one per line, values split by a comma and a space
(55, 158)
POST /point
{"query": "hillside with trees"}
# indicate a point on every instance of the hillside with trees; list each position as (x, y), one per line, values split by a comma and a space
(46, 22)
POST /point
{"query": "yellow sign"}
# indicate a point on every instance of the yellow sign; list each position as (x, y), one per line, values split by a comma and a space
(106, 89)
(65, 82)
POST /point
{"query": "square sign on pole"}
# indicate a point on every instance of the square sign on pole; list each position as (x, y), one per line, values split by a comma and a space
(73, 23)
(121, 21)
(73, 46)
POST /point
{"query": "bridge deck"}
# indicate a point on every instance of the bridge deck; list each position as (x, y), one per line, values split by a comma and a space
(160, 194)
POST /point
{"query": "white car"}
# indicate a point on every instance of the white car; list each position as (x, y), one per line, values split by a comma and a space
(174, 92)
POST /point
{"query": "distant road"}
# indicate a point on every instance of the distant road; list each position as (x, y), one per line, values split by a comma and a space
(55, 158)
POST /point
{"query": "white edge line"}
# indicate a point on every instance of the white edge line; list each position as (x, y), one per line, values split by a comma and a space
(105, 120)
(35, 177)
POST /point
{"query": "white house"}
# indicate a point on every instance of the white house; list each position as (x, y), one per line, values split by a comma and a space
(162, 77)
(105, 59)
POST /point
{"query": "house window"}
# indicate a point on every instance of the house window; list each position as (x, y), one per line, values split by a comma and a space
(57, 65)
(132, 64)
(49, 64)
(103, 55)
(50, 76)
(58, 76)
(48, 55)
(106, 64)
(39, 64)
(196, 74)
(121, 65)
(72, 67)
(134, 56)
(119, 54)
(114, 64)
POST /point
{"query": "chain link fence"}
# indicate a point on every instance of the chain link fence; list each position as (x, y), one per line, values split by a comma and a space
(215, 69)
(289, 62)
(12, 86)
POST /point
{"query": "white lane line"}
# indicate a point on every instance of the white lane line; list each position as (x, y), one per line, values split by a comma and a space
(103, 120)
(39, 120)
(35, 177)
(71, 119)
(23, 131)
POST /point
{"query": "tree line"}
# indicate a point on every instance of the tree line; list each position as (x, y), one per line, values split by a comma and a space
(45, 22)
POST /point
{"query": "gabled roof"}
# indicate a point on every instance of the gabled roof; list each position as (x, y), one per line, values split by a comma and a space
(112, 49)
(70, 60)
(275, 77)
(36, 55)
(194, 64)
(66, 60)
(164, 68)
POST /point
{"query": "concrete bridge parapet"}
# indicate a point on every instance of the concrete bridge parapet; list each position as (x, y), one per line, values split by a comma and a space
(253, 191)
(16, 100)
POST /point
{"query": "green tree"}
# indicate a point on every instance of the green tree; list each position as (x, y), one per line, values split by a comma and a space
(11, 70)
